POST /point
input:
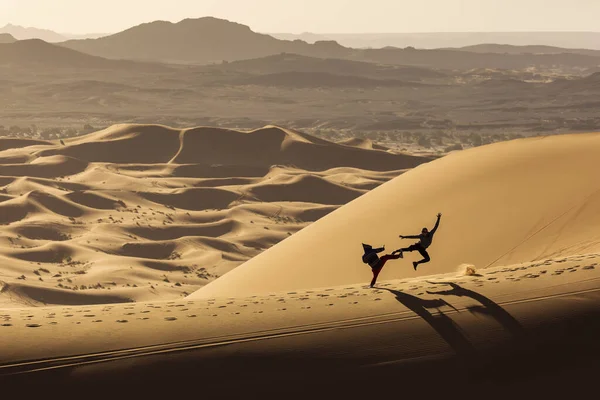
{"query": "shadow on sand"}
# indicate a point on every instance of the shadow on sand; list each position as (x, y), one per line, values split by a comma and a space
(488, 307)
(442, 324)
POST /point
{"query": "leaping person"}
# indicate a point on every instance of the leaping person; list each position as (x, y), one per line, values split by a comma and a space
(425, 239)
(370, 257)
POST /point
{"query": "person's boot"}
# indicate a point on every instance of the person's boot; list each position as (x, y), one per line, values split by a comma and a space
(415, 265)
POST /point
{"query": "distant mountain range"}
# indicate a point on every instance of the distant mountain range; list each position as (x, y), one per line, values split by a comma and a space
(215, 41)
(433, 40)
(24, 33)
(436, 40)
(211, 40)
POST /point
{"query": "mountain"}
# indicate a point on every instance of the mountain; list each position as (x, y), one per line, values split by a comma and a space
(24, 33)
(7, 38)
(201, 41)
(37, 53)
(531, 49)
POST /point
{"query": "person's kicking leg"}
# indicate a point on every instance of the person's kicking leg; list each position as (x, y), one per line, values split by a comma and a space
(420, 249)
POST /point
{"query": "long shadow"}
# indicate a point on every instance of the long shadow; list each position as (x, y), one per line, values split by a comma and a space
(442, 324)
(488, 307)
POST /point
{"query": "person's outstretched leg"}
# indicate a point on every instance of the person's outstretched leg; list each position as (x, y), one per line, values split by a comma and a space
(382, 262)
(412, 247)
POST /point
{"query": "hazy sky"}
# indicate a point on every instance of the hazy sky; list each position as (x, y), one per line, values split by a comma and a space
(320, 16)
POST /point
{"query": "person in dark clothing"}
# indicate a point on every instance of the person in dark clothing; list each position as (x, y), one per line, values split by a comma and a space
(425, 239)
(370, 257)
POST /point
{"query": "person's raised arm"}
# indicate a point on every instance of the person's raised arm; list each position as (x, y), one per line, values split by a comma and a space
(437, 223)
(410, 237)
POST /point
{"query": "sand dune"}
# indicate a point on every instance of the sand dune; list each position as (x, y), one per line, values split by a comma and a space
(510, 202)
(140, 212)
(100, 297)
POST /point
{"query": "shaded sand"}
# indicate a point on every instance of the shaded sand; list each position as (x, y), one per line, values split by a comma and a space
(523, 200)
(528, 328)
(143, 212)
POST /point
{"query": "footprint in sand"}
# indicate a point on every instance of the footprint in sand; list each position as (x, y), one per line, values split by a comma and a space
(122, 321)
(589, 267)
(33, 325)
(6, 324)
(53, 323)
(192, 316)
(377, 299)
(69, 315)
(98, 320)
(170, 319)
(89, 315)
(144, 312)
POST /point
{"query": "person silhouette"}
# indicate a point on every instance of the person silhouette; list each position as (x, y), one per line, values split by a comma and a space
(370, 257)
(425, 239)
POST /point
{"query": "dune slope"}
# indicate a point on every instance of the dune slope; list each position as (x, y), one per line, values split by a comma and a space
(509, 202)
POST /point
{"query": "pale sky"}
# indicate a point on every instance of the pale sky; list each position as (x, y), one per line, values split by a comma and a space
(318, 16)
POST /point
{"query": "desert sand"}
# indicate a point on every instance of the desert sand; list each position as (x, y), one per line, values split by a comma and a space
(139, 212)
(507, 307)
